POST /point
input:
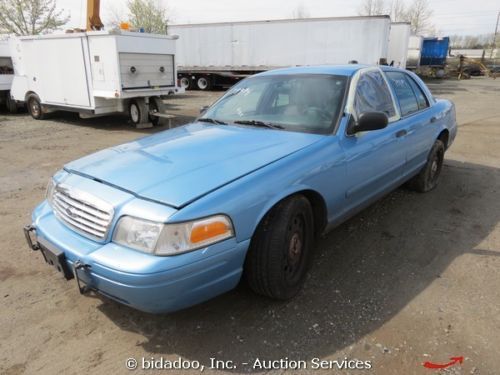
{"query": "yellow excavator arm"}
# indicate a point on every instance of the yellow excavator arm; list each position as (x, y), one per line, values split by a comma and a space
(93, 15)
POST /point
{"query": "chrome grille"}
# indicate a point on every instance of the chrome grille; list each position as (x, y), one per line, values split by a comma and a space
(81, 211)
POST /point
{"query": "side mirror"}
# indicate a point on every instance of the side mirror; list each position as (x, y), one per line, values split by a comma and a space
(204, 109)
(368, 121)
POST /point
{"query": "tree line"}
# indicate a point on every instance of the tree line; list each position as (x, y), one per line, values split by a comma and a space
(472, 41)
(417, 12)
(32, 17)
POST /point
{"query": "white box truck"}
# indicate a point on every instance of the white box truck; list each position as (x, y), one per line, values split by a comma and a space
(6, 75)
(219, 54)
(95, 73)
(399, 37)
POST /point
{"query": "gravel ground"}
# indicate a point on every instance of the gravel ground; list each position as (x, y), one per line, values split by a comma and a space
(413, 278)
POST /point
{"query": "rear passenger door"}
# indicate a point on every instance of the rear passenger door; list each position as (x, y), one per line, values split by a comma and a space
(416, 119)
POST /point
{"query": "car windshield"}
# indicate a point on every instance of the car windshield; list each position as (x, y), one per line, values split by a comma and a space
(305, 103)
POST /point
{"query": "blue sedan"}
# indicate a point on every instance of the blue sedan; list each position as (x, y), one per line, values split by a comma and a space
(174, 219)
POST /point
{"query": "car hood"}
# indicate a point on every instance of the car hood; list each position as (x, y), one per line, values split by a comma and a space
(178, 166)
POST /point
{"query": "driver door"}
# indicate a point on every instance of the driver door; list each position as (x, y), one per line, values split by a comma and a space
(374, 159)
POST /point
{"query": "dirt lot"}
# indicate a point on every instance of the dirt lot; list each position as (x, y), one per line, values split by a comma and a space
(414, 278)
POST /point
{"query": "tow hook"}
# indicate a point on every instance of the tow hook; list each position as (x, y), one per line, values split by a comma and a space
(28, 229)
(78, 265)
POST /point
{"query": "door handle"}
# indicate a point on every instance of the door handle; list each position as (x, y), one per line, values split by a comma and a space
(433, 119)
(401, 133)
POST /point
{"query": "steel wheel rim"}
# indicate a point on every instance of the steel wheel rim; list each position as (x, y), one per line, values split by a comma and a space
(202, 83)
(294, 253)
(184, 82)
(134, 113)
(435, 168)
(35, 109)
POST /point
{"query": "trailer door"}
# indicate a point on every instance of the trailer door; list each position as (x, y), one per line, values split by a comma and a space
(63, 76)
(146, 70)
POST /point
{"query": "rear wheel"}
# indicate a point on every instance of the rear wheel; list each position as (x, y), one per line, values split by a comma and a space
(10, 103)
(428, 177)
(156, 105)
(204, 83)
(281, 249)
(35, 108)
(153, 108)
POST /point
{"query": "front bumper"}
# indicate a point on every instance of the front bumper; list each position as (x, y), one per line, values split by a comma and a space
(146, 282)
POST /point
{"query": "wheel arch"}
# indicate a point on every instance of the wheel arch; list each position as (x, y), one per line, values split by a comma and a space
(318, 205)
(30, 94)
(444, 136)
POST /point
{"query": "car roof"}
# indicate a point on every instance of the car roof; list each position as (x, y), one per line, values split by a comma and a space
(341, 70)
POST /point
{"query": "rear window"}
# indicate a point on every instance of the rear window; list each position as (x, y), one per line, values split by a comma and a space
(404, 93)
(6, 65)
(421, 99)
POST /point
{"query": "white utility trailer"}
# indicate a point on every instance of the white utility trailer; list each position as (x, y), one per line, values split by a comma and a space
(219, 54)
(6, 75)
(95, 73)
(398, 44)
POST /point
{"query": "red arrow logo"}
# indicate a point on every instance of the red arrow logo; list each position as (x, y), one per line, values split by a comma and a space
(454, 360)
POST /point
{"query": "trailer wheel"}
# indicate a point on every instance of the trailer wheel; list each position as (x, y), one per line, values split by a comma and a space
(156, 105)
(138, 111)
(204, 83)
(35, 108)
(10, 104)
(185, 83)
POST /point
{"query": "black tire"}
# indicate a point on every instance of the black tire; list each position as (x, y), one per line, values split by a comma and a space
(10, 104)
(428, 177)
(153, 107)
(35, 108)
(281, 249)
(204, 83)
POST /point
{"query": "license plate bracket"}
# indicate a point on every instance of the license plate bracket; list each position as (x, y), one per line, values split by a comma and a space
(56, 259)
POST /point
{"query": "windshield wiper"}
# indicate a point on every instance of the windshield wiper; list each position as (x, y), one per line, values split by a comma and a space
(259, 123)
(212, 121)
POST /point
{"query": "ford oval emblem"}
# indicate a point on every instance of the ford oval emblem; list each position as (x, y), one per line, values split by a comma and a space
(70, 212)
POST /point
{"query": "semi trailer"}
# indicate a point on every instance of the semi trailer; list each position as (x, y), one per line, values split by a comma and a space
(399, 37)
(220, 54)
(95, 73)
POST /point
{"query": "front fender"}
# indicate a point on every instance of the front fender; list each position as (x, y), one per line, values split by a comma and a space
(318, 169)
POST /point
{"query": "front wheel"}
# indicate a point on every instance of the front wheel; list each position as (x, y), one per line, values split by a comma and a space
(204, 83)
(281, 250)
(428, 177)
(185, 83)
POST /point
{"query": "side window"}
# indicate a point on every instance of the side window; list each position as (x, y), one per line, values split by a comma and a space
(406, 97)
(421, 99)
(373, 95)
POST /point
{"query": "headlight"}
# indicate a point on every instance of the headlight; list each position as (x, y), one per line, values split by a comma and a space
(171, 239)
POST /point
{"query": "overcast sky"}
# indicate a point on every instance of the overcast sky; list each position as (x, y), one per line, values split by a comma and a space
(449, 16)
